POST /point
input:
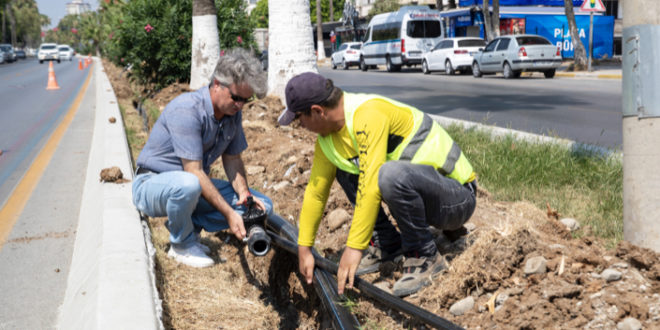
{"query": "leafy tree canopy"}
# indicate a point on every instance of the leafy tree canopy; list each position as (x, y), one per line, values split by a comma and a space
(383, 6)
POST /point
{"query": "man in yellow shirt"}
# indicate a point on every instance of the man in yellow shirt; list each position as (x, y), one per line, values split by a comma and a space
(379, 150)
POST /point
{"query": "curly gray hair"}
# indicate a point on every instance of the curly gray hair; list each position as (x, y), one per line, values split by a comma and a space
(239, 66)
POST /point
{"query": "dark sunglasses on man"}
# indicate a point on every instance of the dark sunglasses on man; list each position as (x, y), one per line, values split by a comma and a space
(236, 98)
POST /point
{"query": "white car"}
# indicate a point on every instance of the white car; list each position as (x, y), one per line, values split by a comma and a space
(66, 52)
(451, 55)
(346, 55)
(48, 52)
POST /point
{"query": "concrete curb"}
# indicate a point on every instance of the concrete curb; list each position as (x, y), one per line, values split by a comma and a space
(111, 284)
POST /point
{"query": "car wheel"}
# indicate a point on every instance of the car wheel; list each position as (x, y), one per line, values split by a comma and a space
(58, 61)
(363, 66)
(334, 66)
(344, 64)
(391, 67)
(41, 62)
(425, 67)
(508, 73)
(476, 72)
(549, 74)
(449, 69)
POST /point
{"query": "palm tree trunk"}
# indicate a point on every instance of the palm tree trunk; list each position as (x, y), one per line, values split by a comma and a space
(320, 50)
(205, 43)
(496, 18)
(332, 11)
(488, 34)
(12, 22)
(291, 46)
(579, 54)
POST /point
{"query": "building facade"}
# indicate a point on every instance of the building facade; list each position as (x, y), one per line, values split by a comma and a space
(77, 7)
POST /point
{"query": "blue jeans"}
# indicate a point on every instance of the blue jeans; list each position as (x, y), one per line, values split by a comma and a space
(177, 195)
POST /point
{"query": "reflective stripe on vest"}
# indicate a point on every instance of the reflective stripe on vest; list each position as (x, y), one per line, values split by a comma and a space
(427, 144)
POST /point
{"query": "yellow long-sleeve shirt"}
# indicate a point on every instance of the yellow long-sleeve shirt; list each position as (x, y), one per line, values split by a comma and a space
(379, 127)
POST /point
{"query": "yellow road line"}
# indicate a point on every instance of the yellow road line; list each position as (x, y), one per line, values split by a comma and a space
(16, 202)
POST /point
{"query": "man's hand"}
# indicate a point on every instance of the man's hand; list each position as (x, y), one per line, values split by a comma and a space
(350, 260)
(236, 225)
(306, 262)
(242, 199)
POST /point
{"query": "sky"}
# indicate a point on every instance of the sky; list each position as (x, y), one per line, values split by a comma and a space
(56, 9)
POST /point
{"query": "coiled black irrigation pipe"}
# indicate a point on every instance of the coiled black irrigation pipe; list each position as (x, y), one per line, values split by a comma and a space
(327, 288)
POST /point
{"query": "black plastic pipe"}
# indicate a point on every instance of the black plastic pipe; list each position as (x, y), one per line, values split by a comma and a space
(324, 284)
(373, 291)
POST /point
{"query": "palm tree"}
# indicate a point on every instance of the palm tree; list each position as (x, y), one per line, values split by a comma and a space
(205, 43)
(488, 27)
(290, 46)
(495, 19)
(320, 50)
(579, 54)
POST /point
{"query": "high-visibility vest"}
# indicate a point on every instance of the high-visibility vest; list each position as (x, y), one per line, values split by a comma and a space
(428, 143)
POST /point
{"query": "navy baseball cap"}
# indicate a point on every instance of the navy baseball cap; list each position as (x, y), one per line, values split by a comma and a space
(303, 91)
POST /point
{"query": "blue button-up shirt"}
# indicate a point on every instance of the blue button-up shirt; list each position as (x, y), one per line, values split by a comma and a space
(188, 129)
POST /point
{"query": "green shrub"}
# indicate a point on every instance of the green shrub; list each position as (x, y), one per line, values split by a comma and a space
(154, 37)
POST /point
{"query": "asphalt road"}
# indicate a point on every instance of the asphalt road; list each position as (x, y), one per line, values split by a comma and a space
(583, 110)
(45, 137)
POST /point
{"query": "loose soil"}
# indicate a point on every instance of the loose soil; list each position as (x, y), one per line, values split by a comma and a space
(246, 292)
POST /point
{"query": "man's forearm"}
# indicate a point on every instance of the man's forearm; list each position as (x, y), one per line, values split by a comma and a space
(211, 194)
(235, 170)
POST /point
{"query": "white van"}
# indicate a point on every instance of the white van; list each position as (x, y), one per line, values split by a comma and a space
(401, 37)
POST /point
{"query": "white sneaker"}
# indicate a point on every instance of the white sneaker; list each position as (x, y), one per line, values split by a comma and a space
(192, 256)
(201, 246)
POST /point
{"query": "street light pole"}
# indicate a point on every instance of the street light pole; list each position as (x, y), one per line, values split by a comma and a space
(641, 123)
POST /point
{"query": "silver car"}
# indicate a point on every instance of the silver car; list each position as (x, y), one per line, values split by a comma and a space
(514, 54)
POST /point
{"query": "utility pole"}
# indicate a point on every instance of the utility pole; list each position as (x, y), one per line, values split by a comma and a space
(641, 123)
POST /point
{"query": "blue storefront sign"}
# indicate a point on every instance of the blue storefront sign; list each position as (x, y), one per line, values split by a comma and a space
(558, 3)
(555, 28)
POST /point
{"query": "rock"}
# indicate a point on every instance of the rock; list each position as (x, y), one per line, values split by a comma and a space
(536, 265)
(501, 298)
(462, 306)
(556, 246)
(280, 185)
(254, 170)
(292, 159)
(112, 120)
(383, 286)
(570, 223)
(610, 275)
(337, 218)
(112, 174)
(629, 323)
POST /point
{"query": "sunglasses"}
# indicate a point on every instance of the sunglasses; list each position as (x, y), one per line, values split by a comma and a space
(237, 98)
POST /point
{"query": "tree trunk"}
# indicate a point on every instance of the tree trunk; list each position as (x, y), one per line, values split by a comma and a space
(4, 27)
(579, 54)
(332, 11)
(496, 18)
(320, 50)
(12, 22)
(488, 34)
(205, 43)
(291, 46)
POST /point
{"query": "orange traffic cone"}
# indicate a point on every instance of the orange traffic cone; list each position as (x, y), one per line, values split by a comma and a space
(80, 65)
(52, 82)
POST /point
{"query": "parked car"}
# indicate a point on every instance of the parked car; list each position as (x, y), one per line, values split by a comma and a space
(8, 51)
(2, 57)
(66, 52)
(514, 54)
(48, 52)
(452, 54)
(20, 54)
(346, 55)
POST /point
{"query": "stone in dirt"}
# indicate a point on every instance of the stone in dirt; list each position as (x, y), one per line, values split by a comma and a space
(629, 323)
(462, 306)
(610, 275)
(112, 174)
(112, 120)
(570, 223)
(337, 218)
(536, 265)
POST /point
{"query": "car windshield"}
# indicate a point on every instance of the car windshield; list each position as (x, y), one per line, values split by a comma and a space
(5, 48)
(358, 46)
(64, 49)
(48, 47)
(527, 41)
(471, 43)
(424, 29)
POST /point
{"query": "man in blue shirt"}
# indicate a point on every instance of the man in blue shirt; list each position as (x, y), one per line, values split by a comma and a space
(193, 131)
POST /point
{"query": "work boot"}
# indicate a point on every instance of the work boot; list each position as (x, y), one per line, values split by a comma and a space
(417, 273)
(374, 256)
(454, 235)
(191, 256)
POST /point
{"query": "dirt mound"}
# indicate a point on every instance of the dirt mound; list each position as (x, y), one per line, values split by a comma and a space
(581, 284)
